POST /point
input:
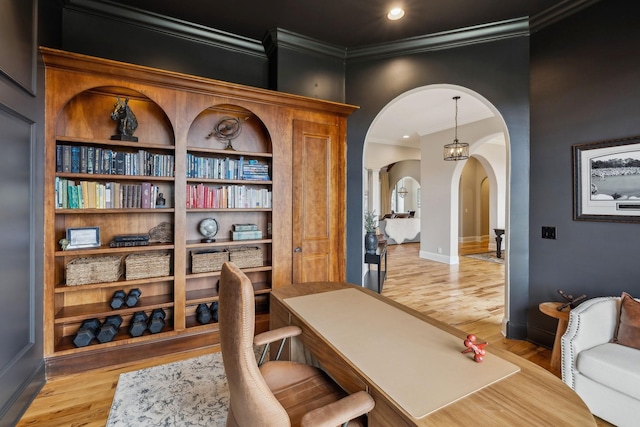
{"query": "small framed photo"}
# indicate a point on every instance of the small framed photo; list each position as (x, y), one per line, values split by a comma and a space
(606, 181)
(83, 237)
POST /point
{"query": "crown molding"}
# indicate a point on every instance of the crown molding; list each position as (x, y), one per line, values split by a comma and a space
(279, 37)
(557, 13)
(168, 25)
(517, 27)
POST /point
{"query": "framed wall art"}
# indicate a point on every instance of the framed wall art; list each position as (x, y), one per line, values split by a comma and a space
(606, 180)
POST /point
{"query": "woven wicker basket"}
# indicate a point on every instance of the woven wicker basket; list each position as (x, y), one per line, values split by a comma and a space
(147, 264)
(246, 257)
(202, 262)
(83, 271)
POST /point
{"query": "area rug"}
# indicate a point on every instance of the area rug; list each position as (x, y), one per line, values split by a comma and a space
(487, 256)
(191, 392)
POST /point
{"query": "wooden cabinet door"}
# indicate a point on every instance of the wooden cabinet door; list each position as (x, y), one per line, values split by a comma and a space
(318, 202)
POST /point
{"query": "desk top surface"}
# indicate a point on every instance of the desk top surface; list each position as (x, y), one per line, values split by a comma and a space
(531, 395)
(419, 366)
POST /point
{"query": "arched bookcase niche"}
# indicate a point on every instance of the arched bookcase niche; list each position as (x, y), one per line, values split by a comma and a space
(243, 174)
(88, 116)
(253, 138)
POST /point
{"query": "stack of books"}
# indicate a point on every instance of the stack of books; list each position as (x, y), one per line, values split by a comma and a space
(245, 232)
(129, 240)
(255, 171)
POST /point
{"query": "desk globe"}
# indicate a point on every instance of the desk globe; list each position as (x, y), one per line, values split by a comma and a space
(208, 227)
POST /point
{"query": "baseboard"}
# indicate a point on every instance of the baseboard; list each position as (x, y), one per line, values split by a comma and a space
(18, 404)
(204, 337)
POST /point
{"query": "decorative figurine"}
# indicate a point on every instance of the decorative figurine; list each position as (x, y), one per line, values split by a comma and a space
(64, 243)
(226, 130)
(127, 122)
(477, 349)
(571, 301)
(160, 201)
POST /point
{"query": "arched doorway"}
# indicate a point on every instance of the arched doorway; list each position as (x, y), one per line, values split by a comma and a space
(425, 118)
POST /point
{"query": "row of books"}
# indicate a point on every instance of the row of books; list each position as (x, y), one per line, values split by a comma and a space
(226, 168)
(227, 196)
(72, 194)
(97, 160)
(245, 232)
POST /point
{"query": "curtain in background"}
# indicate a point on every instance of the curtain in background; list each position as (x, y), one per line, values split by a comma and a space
(385, 194)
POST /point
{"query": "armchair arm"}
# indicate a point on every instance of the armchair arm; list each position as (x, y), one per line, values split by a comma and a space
(266, 338)
(339, 412)
(590, 324)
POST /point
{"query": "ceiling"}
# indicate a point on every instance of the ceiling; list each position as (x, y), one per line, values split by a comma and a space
(345, 23)
(357, 23)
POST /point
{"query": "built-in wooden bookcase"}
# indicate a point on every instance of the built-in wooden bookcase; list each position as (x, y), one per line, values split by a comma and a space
(176, 115)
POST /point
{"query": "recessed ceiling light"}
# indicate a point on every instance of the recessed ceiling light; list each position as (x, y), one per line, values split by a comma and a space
(405, 136)
(395, 13)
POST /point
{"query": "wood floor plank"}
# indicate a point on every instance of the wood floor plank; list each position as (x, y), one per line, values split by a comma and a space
(469, 296)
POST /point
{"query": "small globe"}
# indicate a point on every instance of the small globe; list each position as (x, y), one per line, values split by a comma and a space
(208, 227)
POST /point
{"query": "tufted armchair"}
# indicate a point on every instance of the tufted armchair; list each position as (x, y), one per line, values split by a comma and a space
(605, 375)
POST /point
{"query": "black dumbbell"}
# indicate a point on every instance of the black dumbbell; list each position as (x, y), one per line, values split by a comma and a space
(138, 324)
(132, 299)
(214, 311)
(109, 328)
(86, 333)
(117, 300)
(156, 321)
(203, 314)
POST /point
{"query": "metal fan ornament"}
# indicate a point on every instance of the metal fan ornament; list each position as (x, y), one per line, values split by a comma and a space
(226, 130)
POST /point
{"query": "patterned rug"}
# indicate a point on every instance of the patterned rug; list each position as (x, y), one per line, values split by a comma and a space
(191, 392)
(487, 256)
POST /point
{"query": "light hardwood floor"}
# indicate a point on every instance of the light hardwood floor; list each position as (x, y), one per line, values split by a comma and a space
(469, 296)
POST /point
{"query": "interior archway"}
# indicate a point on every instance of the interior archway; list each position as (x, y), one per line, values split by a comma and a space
(422, 138)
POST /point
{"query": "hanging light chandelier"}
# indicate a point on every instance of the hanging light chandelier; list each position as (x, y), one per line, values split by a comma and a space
(402, 191)
(457, 150)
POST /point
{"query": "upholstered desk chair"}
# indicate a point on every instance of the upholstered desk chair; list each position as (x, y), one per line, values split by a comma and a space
(278, 393)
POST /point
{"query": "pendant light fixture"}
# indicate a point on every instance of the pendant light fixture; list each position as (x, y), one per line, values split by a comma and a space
(457, 150)
(402, 191)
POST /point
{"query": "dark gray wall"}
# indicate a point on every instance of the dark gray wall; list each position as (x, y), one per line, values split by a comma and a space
(94, 34)
(499, 71)
(21, 194)
(304, 66)
(585, 87)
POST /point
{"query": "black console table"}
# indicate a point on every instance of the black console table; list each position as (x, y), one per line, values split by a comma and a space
(375, 279)
(499, 233)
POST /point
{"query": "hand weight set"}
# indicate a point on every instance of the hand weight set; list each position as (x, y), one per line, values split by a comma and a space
(92, 329)
(206, 314)
(120, 299)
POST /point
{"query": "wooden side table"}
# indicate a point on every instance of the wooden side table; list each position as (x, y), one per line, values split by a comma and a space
(551, 309)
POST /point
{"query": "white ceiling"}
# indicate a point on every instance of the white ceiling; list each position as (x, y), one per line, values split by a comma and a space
(425, 111)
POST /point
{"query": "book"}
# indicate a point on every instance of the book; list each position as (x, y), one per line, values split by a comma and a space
(146, 196)
(75, 159)
(84, 154)
(128, 243)
(246, 235)
(66, 158)
(131, 238)
(245, 227)
(59, 158)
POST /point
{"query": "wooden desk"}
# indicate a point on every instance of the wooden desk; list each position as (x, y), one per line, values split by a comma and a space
(532, 396)
(551, 309)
